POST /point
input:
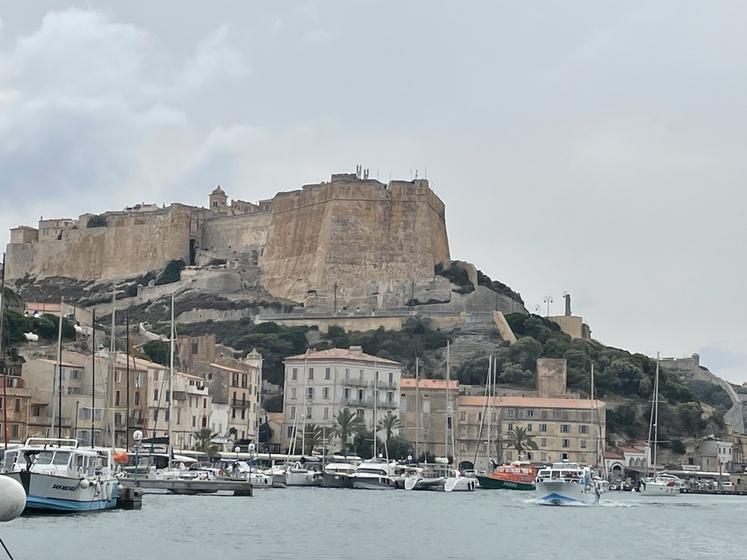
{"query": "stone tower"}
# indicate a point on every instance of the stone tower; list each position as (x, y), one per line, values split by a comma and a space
(218, 199)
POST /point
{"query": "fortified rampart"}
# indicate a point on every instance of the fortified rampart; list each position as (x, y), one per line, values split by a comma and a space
(129, 244)
(355, 239)
(352, 238)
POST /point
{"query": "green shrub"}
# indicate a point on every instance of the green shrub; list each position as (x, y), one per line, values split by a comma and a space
(171, 273)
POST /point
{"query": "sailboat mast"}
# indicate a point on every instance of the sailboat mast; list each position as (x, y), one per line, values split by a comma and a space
(656, 412)
(59, 372)
(2, 356)
(417, 408)
(448, 405)
(93, 376)
(127, 383)
(171, 379)
(112, 373)
(375, 394)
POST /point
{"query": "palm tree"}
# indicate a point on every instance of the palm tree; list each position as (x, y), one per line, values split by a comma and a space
(313, 435)
(347, 424)
(389, 424)
(519, 439)
(203, 438)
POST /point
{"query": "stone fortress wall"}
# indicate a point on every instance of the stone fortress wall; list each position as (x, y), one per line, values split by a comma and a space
(370, 239)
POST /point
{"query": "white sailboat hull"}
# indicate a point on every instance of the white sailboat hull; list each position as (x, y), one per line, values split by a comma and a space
(373, 482)
(302, 478)
(460, 484)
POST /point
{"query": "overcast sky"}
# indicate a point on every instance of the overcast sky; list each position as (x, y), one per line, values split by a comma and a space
(591, 147)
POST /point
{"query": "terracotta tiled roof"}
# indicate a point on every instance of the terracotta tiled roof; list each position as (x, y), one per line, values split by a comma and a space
(613, 455)
(227, 368)
(531, 402)
(340, 354)
(432, 384)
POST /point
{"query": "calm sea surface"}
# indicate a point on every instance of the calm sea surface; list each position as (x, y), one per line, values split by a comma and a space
(312, 523)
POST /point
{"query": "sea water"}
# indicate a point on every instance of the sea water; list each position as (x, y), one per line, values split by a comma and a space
(312, 523)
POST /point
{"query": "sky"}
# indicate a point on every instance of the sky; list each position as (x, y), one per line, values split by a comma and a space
(589, 147)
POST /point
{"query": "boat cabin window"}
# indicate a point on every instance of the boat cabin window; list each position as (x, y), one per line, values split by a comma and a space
(44, 458)
(9, 461)
(61, 458)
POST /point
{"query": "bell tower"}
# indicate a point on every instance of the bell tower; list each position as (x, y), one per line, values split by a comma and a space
(218, 199)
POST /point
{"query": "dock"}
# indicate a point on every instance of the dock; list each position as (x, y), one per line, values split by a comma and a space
(180, 486)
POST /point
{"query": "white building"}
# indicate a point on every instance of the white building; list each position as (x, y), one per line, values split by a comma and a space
(318, 385)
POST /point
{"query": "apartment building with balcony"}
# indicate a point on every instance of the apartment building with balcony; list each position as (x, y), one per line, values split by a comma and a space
(563, 428)
(319, 384)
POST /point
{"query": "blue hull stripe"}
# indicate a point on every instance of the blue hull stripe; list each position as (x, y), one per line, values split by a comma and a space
(55, 504)
(558, 500)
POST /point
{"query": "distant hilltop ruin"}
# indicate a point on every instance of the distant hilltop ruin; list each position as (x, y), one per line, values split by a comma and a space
(351, 241)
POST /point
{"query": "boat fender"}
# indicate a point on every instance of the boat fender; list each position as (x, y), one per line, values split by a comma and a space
(84, 483)
(12, 498)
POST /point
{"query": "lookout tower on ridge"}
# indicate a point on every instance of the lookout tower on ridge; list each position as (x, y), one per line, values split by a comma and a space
(218, 199)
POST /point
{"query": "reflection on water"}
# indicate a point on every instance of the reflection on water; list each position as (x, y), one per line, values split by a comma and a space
(313, 523)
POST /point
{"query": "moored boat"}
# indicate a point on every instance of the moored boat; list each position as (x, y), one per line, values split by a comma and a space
(59, 476)
(338, 475)
(374, 474)
(518, 475)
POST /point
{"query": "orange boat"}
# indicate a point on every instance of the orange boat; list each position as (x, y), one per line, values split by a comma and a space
(518, 475)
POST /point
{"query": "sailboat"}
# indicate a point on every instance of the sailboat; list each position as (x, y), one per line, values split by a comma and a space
(657, 485)
(57, 474)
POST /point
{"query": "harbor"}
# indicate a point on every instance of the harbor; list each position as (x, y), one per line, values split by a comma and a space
(317, 523)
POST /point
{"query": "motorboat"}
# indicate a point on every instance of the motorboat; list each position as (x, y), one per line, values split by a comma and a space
(303, 474)
(517, 475)
(60, 476)
(374, 474)
(250, 473)
(566, 483)
(659, 486)
(338, 475)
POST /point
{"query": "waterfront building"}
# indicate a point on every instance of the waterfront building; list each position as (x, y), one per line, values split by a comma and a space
(563, 429)
(319, 384)
(711, 454)
(423, 413)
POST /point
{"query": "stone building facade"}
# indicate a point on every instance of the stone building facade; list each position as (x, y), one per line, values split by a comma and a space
(424, 409)
(318, 385)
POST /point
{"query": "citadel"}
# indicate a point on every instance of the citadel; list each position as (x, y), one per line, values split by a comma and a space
(347, 243)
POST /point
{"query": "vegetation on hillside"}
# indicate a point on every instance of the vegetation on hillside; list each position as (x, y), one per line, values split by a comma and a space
(45, 326)
(498, 287)
(158, 352)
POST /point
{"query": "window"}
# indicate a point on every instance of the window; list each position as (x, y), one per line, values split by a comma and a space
(360, 376)
(543, 456)
(543, 427)
(233, 413)
(204, 421)
(328, 373)
(137, 398)
(243, 414)
(234, 379)
(293, 393)
(391, 378)
(194, 421)
(155, 395)
(155, 414)
(326, 412)
(293, 412)
(325, 393)
(311, 374)
(564, 456)
(346, 393)
(139, 380)
(360, 394)
(530, 413)
(178, 415)
(462, 416)
(360, 413)
(310, 393)
(564, 415)
(583, 444)
(117, 376)
(510, 412)
(75, 374)
(565, 428)
(14, 431)
(543, 415)
(390, 396)
(308, 413)
(583, 429)
(290, 431)
(529, 455)
(294, 374)
(510, 427)
(17, 406)
(243, 380)
(543, 443)
(566, 442)
(194, 347)
(529, 427)
(116, 398)
(155, 375)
